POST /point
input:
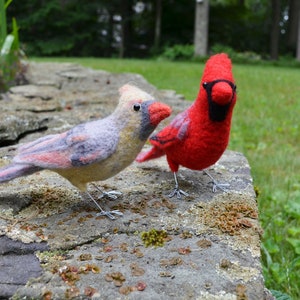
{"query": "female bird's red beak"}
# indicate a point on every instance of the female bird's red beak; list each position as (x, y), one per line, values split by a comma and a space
(157, 112)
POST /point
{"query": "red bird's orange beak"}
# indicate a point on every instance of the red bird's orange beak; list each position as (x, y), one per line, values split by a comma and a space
(157, 112)
(222, 93)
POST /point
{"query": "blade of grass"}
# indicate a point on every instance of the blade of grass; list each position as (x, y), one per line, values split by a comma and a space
(3, 28)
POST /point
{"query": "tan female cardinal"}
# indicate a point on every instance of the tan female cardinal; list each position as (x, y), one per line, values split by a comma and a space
(197, 137)
(94, 150)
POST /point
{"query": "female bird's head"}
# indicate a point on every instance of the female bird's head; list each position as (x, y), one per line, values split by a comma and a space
(139, 107)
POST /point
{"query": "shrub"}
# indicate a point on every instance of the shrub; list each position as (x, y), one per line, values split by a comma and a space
(243, 57)
(178, 52)
(11, 68)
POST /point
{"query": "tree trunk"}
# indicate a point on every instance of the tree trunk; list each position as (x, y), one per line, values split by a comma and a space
(274, 43)
(201, 27)
(298, 39)
(292, 33)
(126, 31)
(157, 33)
(110, 33)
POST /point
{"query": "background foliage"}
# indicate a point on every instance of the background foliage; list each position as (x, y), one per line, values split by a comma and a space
(114, 28)
(11, 68)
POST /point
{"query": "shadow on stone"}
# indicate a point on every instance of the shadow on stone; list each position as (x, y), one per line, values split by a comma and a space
(18, 264)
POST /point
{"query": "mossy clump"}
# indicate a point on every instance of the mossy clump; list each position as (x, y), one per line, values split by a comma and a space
(154, 237)
(230, 217)
(257, 191)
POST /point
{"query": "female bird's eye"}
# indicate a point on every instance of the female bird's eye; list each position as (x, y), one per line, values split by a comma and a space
(137, 106)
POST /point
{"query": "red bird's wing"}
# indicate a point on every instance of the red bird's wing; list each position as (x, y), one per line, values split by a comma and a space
(174, 133)
(77, 147)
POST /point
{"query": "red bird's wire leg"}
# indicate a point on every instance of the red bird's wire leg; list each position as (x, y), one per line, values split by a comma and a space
(102, 212)
(177, 191)
(216, 185)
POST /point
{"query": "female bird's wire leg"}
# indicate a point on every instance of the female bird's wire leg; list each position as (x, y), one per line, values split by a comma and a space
(178, 192)
(111, 194)
(216, 185)
(102, 212)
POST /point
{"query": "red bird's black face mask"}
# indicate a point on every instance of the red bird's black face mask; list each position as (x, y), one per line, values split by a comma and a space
(218, 112)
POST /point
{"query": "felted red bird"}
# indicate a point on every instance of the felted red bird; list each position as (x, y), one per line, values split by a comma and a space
(198, 136)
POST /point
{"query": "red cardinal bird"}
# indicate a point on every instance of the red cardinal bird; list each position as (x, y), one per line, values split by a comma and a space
(197, 137)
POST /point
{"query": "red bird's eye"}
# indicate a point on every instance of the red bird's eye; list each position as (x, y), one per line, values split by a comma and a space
(137, 106)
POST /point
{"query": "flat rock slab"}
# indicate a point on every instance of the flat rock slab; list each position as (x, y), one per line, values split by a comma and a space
(18, 264)
(210, 248)
(204, 246)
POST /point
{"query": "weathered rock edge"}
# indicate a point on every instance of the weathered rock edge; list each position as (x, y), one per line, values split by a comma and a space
(212, 249)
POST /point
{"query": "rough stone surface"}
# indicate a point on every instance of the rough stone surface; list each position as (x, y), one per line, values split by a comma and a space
(18, 263)
(207, 245)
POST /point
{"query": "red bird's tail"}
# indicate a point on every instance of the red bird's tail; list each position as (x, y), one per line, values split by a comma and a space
(154, 152)
(16, 170)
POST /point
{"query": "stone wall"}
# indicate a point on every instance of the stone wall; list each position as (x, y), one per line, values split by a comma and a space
(52, 244)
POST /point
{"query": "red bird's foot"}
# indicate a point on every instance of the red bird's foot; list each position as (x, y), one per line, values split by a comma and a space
(221, 186)
(217, 185)
(177, 191)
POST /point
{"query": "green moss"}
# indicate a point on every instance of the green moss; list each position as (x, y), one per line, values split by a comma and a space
(154, 237)
(257, 191)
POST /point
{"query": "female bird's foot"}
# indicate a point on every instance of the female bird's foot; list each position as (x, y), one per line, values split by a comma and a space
(217, 185)
(178, 192)
(109, 214)
(113, 195)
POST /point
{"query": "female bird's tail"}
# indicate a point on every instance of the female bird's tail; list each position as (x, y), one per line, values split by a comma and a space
(16, 170)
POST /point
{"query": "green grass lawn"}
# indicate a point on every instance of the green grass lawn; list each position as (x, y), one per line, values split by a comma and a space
(266, 129)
